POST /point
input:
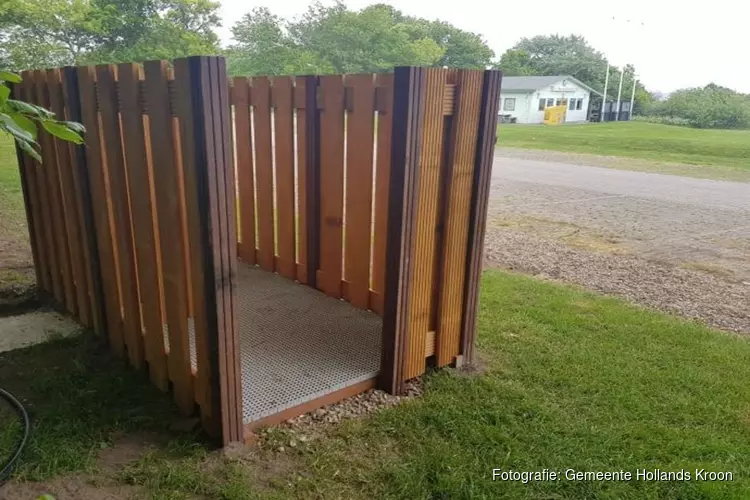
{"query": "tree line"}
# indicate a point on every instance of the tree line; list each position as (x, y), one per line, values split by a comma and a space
(325, 39)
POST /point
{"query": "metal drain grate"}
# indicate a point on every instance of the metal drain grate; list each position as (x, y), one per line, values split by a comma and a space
(297, 344)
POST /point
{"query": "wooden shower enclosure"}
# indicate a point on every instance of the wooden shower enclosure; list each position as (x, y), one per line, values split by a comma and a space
(291, 240)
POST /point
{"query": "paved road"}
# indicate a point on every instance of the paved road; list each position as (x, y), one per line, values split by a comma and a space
(691, 222)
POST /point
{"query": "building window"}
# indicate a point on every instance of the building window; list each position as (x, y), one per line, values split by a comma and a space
(579, 104)
(509, 104)
(550, 102)
(542, 103)
(572, 105)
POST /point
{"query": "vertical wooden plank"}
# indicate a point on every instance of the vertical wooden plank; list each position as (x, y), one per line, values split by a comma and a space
(360, 126)
(382, 181)
(167, 189)
(300, 89)
(33, 205)
(206, 121)
(144, 223)
(331, 184)
(70, 207)
(264, 171)
(245, 182)
(479, 202)
(308, 136)
(459, 180)
(195, 221)
(106, 77)
(72, 100)
(430, 163)
(63, 288)
(284, 150)
(407, 112)
(102, 209)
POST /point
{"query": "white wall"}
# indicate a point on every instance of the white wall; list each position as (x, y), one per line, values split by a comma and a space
(527, 105)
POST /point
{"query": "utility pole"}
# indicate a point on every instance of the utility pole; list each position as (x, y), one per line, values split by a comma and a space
(604, 99)
(632, 95)
(619, 93)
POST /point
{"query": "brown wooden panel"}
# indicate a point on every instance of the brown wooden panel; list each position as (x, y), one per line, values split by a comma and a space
(62, 280)
(167, 180)
(382, 180)
(245, 182)
(35, 203)
(70, 206)
(101, 202)
(284, 150)
(478, 217)
(360, 125)
(143, 211)
(195, 228)
(300, 94)
(206, 121)
(408, 111)
(424, 253)
(331, 184)
(79, 169)
(118, 190)
(459, 180)
(264, 171)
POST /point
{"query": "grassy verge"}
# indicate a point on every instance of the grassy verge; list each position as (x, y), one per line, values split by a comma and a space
(571, 380)
(723, 150)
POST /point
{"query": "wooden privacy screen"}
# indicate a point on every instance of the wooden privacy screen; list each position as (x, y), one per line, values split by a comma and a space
(442, 158)
(313, 163)
(135, 232)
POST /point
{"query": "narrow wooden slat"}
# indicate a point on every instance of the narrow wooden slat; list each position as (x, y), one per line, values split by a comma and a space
(478, 216)
(245, 181)
(196, 226)
(33, 204)
(382, 181)
(63, 281)
(70, 206)
(331, 184)
(300, 91)
(308, 126)
(92, 270)
(118, 190)
(264, 171)
(431, 161)
(360, 125)
(167, 182)
(459, 181)
(284, 150)
(408, 108)
(140, 182)
(102, 208)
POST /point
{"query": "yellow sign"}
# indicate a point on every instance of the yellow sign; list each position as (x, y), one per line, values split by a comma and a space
(554, 115)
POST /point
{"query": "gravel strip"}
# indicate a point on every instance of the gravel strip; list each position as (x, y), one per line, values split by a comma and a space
(683, 292)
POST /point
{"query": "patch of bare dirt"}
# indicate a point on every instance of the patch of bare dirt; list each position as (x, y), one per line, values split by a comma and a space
(35, 327)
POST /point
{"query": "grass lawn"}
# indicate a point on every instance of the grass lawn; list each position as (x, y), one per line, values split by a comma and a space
(720, 149)
(570, 380)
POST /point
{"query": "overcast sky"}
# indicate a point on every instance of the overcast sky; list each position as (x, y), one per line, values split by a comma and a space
(672, 44)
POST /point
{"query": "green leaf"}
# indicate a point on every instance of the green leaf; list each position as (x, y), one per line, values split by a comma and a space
(4, 94)
(24, 122)
(29, 109)
(76, 126)
(61, 131)
(29, 148)
(8, 124)
(10, 77)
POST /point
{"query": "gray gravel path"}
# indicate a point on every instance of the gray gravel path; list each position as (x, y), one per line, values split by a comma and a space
(675, 243)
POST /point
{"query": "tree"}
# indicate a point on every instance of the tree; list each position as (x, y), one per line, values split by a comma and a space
(20, 119)
(48, 33)
(712, 106)
(516, 62)
(328, 39)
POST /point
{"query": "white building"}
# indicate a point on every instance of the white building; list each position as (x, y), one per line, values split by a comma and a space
(525, 97)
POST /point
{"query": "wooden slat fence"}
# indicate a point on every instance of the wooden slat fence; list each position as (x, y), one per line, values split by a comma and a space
(134, 233)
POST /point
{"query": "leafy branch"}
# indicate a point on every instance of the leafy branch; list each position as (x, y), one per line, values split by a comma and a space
(21, 120)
